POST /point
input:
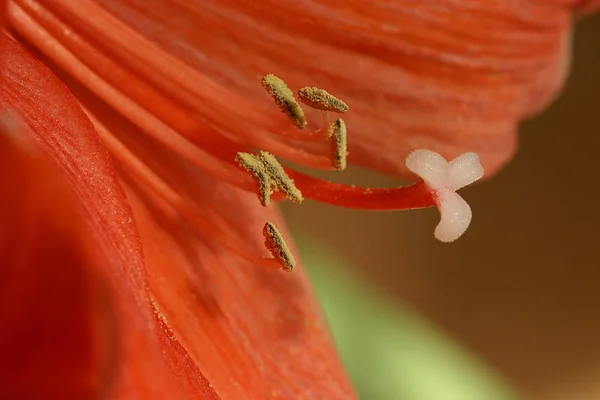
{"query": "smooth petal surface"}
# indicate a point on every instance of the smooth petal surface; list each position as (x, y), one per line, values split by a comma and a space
(588, 5)
(55, 317)
(446, 75)
(255, 333)
(152, 363)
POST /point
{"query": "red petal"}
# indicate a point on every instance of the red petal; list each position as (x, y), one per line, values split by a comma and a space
(588, 5)
(261, 369)
(255, 333)
(446, 75)
(49, 291)
(151, 363)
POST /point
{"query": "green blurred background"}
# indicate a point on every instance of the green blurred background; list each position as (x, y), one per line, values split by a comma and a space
(510, 311)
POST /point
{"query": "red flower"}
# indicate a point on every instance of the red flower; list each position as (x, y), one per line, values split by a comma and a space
(161, 246)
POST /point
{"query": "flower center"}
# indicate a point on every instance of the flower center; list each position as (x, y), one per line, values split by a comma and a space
(199, 121)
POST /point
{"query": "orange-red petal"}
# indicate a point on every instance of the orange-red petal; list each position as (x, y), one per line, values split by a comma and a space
(446, 75)
(254, 332)
(150, 363)
(267, 362)
(53, 305)
(588, 5)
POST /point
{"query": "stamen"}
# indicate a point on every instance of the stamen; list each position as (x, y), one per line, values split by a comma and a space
(285, 99)
(130, 65)
(320, 99)
(270, 175)
(93, 68)
(255, 166)
(339, 144)
(278, 175)
(275, 243)
(162, 194)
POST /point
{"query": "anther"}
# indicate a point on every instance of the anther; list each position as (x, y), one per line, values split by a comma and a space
(255, 166)
(285, 99)
(280, 178)
(270, 175)
(340, 144)
(276, 245)
(321, 100)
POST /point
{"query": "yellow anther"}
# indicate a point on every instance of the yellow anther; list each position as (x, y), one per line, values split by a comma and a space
(279, 178)
(339, 144)
(255, 166)
(270, 175)
(285, 99)
(276, 245)
(321, 100)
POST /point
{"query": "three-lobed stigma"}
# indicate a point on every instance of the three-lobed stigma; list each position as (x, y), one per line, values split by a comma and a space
(444, 179)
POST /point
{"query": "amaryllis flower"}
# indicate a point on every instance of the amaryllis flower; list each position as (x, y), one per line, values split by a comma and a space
(154, 270)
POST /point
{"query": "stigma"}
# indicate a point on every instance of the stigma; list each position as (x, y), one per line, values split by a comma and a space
(444, 179)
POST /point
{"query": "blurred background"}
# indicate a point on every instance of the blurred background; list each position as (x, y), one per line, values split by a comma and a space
(511, 310)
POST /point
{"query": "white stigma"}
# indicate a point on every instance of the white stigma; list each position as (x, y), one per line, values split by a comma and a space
(445, 178)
